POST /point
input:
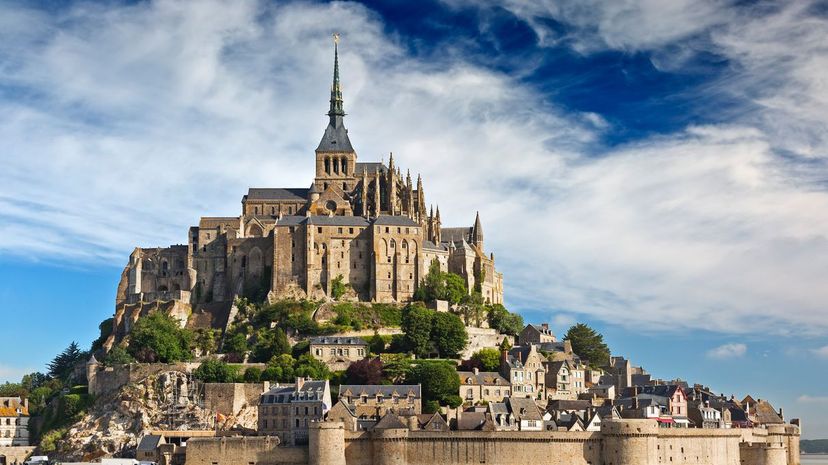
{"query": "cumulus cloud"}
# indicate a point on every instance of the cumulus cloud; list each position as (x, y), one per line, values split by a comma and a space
(123, 124)
(726, 351)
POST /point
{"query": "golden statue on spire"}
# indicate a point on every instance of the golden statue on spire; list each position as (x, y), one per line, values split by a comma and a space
(336, 37)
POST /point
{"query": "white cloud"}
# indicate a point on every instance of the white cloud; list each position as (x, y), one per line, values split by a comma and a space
(806, 399)
(821, 352)
(131, 121)
(726, 351)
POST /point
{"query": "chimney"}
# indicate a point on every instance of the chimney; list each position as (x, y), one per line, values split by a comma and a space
(781, 415)
(635, 403)
(300, 381)
(635, 391)
(504, 357)
(545, 326)
(476, 370)
(520, 356)
(707, 403)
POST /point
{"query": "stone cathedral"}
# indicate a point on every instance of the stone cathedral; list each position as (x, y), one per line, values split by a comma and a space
(363, 221)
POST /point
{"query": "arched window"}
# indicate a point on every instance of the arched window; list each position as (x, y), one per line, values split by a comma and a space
(344, 166)
(327, 168)
(336, 165)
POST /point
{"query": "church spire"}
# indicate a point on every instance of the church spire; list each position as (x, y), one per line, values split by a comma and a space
(336, 90)
(477, 232)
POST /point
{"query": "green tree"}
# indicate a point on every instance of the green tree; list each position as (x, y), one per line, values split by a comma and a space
(416, 326)
(487, 358)
(157, 337)
(448, 333)
(252, 375)
(338, 287)
(205, 340)
(284, 368)
(8, 389)
(455, 288)
(439, 381)
(588, 344)
(235, 346)
(117, 356)
(215, 371)
(395, 367)
(300, 348)
(270, 343)
(62, 367)
(505, 344)
(504, 321)
(376, 344)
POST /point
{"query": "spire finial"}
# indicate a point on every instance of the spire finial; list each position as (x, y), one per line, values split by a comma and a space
(336, 90)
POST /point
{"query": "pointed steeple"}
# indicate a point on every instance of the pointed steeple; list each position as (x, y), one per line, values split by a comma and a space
(335, 138)
(477, 232)
(336, 90)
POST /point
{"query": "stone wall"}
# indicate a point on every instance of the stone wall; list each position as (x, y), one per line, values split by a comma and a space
(15, 454)
(621, 442)
(243, 450)
(229, 398)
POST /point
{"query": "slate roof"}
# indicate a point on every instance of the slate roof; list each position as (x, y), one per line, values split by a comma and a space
(524, 408)
(663, 390)
(432, 246)
(484, 378)
(337, 221)
(765, 414)
(291, 220)
(387, 390)
(312, 390)
(469, 421)
(334, 340)
(335, 138)
(455, 234)
(299, 194)
(563, 404)
(395, 220)
(149, 442)
(498, 408)
(369, 167)
(390, 421)
(541, 329)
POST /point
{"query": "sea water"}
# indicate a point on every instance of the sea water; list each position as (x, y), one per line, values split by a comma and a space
(814, 459)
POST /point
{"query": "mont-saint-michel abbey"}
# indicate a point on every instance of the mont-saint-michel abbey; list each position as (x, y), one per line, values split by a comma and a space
(342, 324)
(366, 222)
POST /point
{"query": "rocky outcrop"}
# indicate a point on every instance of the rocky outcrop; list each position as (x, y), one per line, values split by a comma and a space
(169, 400)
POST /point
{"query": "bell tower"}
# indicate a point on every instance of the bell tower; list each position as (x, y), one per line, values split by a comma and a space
(335, 157)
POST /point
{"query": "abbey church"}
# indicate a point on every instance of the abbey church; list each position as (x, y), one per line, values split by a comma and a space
(364, 221)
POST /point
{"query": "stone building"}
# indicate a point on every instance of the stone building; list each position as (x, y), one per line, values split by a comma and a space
(483, 386)
(523, 367)
(369, 402)
(564, 379)
(366, 222)
(14, 421)
(286, 410)
(536, 334)
(338, 352)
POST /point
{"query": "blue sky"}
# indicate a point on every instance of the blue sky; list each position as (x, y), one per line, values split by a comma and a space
(656, 169)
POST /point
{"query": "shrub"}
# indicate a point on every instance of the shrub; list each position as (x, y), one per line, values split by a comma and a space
(488, 359)
(216, 371)
(157, 337)
(252, 375)
(338, 287)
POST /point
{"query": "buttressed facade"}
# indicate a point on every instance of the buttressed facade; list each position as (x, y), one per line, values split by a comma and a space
(364, 221)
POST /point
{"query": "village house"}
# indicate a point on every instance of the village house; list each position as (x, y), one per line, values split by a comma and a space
(14, 421)
(564, 379)
(361, 407)
(761, 412)
(523, 367)
(536, 334)
(286, 409)
(338, 352)
(516, 414)
(702, 415)
(482, 386)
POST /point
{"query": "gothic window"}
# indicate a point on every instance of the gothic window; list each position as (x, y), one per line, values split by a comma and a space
(327, 166)
(344, 168)
(393, 243)
(272, 210)
(290, 210)
(256, 210)
(336, 165)
(345, 186)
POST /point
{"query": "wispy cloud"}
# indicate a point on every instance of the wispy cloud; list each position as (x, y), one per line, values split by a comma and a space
(806, 399)
(726, 351)
(821, 352)
(123, 124)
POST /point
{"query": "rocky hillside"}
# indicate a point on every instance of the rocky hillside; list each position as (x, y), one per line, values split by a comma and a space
(116, 422)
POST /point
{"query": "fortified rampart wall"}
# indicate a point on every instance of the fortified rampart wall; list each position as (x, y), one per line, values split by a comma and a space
(623, 442)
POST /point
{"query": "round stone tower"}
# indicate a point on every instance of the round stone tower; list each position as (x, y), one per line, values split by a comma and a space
(629, 442)
(326, 443)
(389, 446)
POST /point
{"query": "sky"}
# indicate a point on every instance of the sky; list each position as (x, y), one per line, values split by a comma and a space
(658, 170)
